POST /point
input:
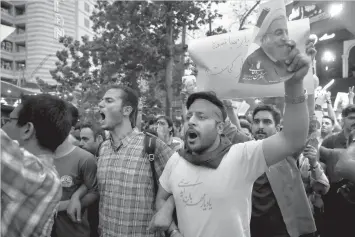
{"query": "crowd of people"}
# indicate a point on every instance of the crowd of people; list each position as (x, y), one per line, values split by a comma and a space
(220, 175)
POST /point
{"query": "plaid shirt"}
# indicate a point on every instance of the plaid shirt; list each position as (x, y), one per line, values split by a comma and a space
(126, 185)
(30, 192)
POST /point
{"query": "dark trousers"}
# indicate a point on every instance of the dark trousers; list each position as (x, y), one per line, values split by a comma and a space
(339, 215)
(271, 224)
(93, 218)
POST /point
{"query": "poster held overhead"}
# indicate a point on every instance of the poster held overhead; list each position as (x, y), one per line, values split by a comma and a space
(266, 65)
(223, 64)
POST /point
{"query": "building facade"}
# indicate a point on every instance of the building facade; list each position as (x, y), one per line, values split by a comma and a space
(30, 51)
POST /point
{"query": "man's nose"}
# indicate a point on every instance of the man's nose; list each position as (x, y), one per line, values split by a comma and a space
(192, 121)
(284, 36)
(101, 104)
(260, 125)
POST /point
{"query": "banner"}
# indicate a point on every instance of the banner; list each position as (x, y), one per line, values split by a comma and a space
(249, 63)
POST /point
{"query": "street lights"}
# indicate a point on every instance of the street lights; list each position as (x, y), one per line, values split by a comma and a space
(328, 56)
(335, 9)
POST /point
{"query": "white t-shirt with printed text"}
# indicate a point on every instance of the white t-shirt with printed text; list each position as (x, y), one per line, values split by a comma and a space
(215, 202)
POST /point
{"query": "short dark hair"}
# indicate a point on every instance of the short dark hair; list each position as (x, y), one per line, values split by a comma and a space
(169, 121)
(276, 114)
(327, 117)
(49, 116)
(245, 124)
(130, 98)
(74, 112)
(96, 129)
(209, 96)
(348, 110)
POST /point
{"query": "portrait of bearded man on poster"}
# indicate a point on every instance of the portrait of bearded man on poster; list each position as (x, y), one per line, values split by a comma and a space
(266, 65)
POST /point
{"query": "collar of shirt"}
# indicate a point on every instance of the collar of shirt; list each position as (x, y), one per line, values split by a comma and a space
(124, 141)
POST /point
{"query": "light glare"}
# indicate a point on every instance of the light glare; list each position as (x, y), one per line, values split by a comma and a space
(335, 9)
(328, 56)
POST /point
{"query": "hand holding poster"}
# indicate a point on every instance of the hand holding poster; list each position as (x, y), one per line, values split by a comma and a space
(251, 63)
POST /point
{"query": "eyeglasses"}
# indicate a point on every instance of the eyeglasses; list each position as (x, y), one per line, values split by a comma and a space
(6, 120)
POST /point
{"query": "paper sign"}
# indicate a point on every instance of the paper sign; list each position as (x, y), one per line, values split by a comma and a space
(220, 60)
(240, 107)
(243, 108)
(341, 99)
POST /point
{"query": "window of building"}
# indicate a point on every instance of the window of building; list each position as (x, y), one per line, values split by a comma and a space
(87, 7)
(20, 29)
(87, 22)
(20, 65)
(20, 48)
(20, 10)
(6, 45)
(6, 65)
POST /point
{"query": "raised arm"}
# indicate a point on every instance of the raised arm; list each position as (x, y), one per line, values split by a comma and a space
(231, 115)
(296, 119)
(331, 112)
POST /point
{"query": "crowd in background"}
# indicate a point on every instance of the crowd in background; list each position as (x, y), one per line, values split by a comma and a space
(215, 174)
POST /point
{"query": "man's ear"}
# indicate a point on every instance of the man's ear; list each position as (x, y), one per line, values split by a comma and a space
(220, 127)
(99, 139)
(127, 110)
(27, 131)
(278, 127)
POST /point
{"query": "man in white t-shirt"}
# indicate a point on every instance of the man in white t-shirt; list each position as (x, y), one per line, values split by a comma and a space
(211, 181)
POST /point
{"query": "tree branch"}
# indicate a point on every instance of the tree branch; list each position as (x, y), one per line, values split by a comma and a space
(247, 14)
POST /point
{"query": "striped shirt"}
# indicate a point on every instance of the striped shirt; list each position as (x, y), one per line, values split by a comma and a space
(30, 192)
(126, 185)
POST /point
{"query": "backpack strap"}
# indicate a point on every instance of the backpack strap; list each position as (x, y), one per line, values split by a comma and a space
(149, 149)
(98, 149)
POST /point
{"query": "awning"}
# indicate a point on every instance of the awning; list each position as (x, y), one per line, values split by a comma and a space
(5, 31)
(11, 90)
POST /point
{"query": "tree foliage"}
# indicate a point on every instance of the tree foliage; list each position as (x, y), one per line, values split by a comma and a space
(135, 43)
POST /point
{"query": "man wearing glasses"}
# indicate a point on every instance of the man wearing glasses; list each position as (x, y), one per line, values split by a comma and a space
(30, 185)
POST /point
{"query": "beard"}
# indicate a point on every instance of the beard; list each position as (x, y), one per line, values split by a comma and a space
(198, 143)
